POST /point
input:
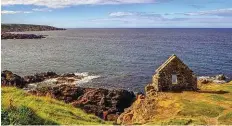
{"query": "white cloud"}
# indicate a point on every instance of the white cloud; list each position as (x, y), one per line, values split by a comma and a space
(135, 14)
(120, 14)
(14, 12)
(26, 12)
(42, 9)
(66, 3)
(218, 12)
(153, 19)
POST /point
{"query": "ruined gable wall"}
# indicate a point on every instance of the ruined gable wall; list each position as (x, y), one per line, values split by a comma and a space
(185, 79)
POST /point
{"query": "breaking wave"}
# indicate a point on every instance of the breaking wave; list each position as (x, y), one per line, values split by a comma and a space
(86, 77)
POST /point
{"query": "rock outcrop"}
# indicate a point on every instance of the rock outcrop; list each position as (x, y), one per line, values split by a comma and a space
(107, 104)
(10, 79)
(140, 112)
(220, 79)
(20, 36)
(27, 27)
(39, 77)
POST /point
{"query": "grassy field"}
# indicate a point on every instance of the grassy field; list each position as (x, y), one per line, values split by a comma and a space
(19, 107)
(212, 105)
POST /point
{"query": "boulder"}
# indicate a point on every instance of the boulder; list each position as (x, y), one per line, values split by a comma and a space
(68, 75)
(105, 102)
(39, 77)
(10, 79)
(204, 81)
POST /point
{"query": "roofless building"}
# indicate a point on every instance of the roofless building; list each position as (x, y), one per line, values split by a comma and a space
(173, 75)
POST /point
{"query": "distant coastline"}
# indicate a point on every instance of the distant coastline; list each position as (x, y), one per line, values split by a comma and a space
(27, 27)
(6, 28)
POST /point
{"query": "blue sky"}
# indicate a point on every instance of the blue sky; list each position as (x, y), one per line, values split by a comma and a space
(120, 13)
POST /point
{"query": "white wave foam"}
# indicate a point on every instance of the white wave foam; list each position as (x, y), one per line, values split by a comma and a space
(203, 77)
(87, 79)
(84, 74)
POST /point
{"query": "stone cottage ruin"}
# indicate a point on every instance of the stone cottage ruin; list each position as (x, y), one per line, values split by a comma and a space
(173, 75)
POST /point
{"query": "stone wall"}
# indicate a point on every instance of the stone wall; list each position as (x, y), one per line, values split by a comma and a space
(186, 80)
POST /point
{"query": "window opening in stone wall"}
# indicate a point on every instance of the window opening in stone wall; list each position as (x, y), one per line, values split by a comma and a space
(174, 79)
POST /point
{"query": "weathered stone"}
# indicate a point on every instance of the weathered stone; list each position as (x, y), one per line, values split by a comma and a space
(173, 75)
(10, 79)
(68, 75)
(112, 117)
(39, 77)
(101, 102)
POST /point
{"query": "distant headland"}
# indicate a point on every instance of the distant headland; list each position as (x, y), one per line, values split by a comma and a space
(22, 28)
(27, 27)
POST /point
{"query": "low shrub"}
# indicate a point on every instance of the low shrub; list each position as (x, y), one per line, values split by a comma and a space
(22, 116)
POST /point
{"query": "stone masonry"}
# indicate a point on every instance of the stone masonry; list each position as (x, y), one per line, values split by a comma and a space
(173, 75)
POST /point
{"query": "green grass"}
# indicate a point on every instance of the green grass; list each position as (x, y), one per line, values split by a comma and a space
(22, 116)
(226, 119)
(178, 122)
(200, 109)
(212, 106)
(217, 98)
(43, 110)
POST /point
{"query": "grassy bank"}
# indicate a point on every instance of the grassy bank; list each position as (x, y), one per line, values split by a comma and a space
(19, 107)
(212, 105)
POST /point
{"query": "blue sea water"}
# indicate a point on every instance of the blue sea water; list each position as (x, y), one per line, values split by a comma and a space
(123, 58)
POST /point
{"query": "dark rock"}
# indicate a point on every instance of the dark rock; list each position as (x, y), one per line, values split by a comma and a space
(31, 79)
(47, 75)
(27, 27)
(20, 36)
(205, 81)
(68, 75)
(39, 77)
(101, 102)
(107, 104)
(10, 79)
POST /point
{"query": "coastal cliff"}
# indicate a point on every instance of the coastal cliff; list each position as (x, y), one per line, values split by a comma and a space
(210, 105)
(27, 27)
(104, 103)
(6, 28)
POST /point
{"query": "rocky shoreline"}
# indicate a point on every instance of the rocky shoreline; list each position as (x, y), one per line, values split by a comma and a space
(7, 28)
(104, 103)
(20, 36)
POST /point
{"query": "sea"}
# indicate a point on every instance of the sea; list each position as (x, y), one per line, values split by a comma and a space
(117, 58)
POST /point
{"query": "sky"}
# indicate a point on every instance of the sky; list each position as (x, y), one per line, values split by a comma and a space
(119, 13)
